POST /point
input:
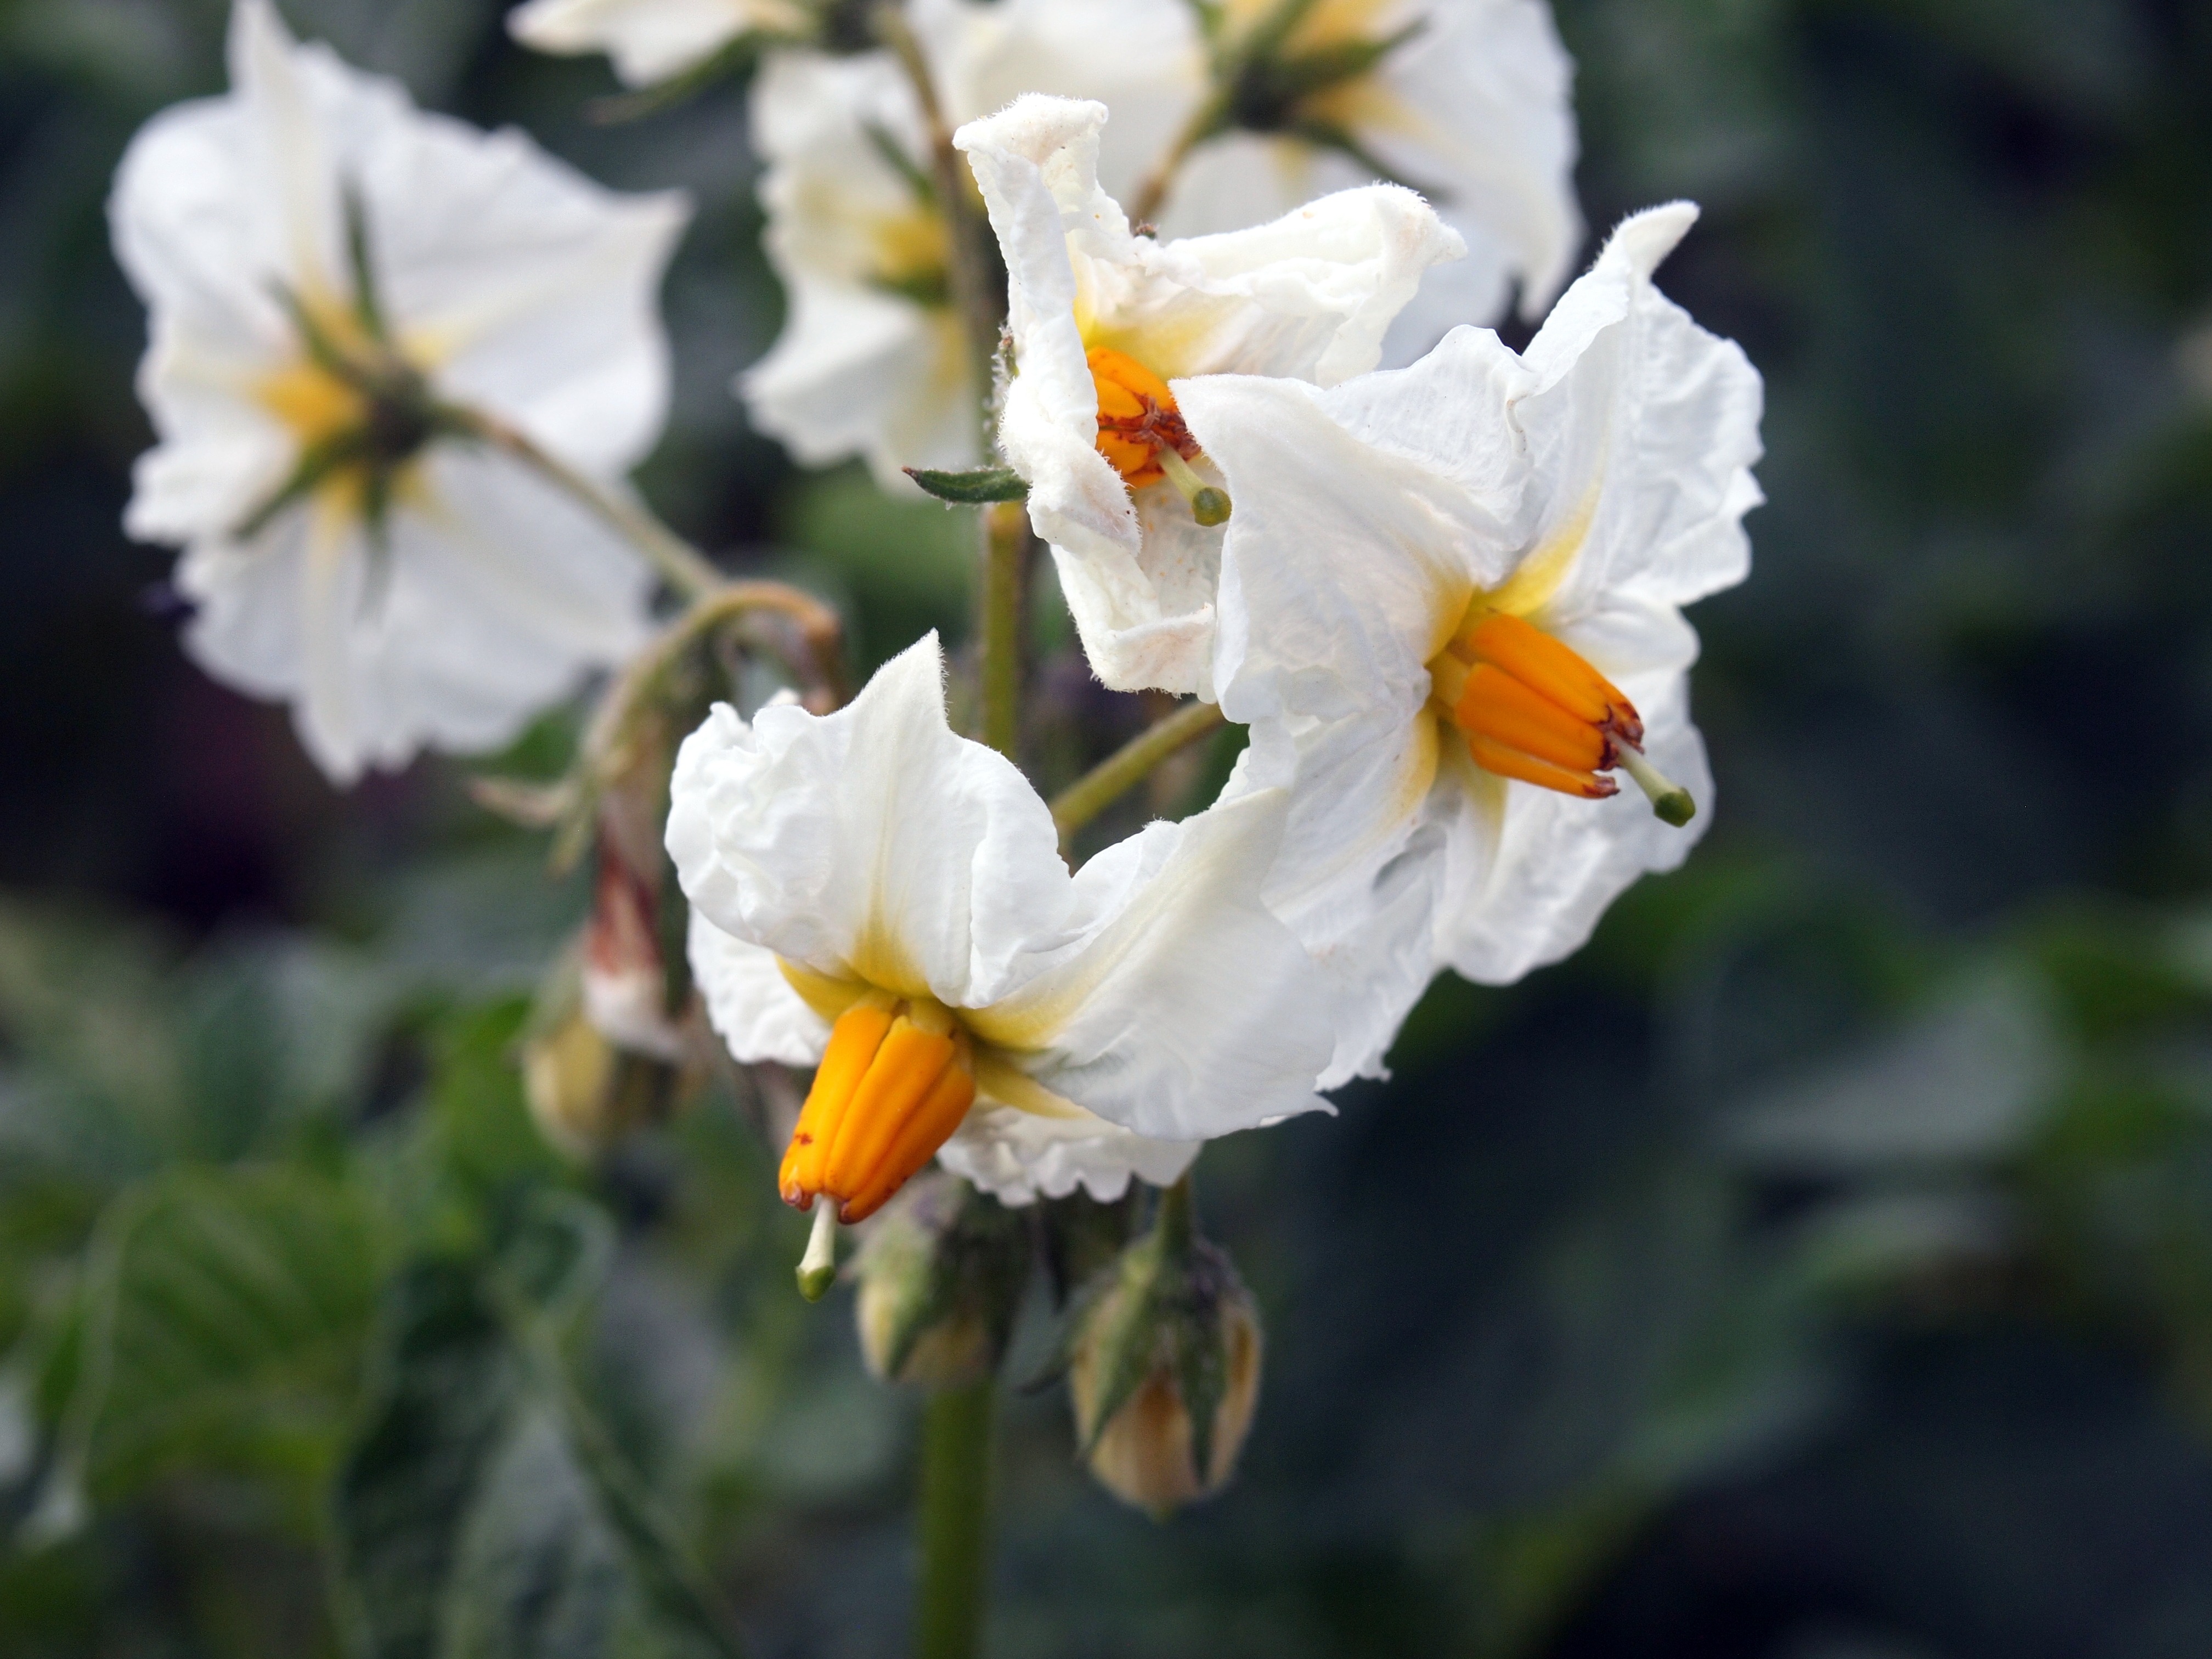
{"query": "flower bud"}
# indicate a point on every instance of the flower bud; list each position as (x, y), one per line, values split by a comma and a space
(940, 1278)
(584, 1092)
(1164, 1368)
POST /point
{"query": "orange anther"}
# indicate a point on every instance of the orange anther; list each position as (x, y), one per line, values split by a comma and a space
(1543, 664)
(1136, 417)
(1497, 706)
(1508, 762)
(893, 1085)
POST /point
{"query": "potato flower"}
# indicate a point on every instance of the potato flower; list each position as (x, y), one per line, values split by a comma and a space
(882, 899)
(1452, 610)
(329, 274)
(1104, 321)
(1467, 101)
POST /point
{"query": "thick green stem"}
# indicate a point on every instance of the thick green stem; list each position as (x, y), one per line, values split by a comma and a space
(999, 623)
(1129, 766)
(954, 1523)
(1177, 1222)
(681, 565)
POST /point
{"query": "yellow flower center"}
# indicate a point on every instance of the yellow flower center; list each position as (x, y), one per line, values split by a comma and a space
(898, 1078)
(913, 255)
(357, 431)
(1142, 434)
(1532, 708)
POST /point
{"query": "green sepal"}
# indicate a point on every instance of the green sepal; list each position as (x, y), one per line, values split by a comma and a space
(978, 484)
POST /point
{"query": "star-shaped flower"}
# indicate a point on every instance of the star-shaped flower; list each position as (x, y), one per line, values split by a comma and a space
(331, 274)
(879, 897)
(1451, 611)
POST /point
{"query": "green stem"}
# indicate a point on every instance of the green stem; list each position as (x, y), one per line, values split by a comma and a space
(1128, 766)
(1176, 1223)
(681, 565)
(999, 623)
(954, 1523)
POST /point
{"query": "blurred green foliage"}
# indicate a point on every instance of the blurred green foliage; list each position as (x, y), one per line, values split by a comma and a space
(1820, 1267)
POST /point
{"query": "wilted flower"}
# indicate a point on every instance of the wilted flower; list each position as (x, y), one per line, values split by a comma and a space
(654, 40)
(1164, 1367)
(940, 1280)
(1104, 320)
(872, 359)
(1452, 610)
(331, 273)
(1467, 101)
(887, 898)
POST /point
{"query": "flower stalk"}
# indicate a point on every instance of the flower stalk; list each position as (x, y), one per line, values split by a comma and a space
(954, 1523)
(999, 623)
(1128, 766)
(682, 566)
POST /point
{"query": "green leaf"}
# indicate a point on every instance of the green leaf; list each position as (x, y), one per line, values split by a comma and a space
(485, 1513)
(981, 483)
(226, 1322)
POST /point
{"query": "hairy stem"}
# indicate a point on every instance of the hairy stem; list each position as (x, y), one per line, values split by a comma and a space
(998, 613)
(1129, 766)
(681, 565)
(954, 1523)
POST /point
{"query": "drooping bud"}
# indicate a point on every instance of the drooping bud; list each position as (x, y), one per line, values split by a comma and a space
(1164, 1367)
(625, 971)
(584, 1092)
(940, 1280)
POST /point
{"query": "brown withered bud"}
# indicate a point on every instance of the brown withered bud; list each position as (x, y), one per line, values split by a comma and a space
(940, 1280)
(1164, 1366)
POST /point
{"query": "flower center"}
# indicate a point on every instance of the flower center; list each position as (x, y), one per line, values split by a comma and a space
(1532, 708)
(1142, 434)
(913, 256)
(898, 1076)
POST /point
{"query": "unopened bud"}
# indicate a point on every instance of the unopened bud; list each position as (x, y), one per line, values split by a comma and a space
(1164, 1369)
(584, 1092)
(941, 1278)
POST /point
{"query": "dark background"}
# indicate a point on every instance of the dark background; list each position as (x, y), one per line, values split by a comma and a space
(1818, 1266)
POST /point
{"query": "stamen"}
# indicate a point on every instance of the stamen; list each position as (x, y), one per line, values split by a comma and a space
(895, 1081)
(1670, 802)
(818, 1268)
(1208, 505)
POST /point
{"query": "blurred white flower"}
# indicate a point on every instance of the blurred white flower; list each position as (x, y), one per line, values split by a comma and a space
(1451, 607)
(873, 360)
(1103, 320)
(653, 40)
(874, 893)
(325, 267)
(1467, 101)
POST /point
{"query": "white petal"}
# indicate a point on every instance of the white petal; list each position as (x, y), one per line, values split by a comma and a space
(1344, 568)
(1019, 1157)
(872, 843)
(1188, 1010)
(750, 1002)
(647, 41)
(1644, 421)
(450, 637)
(1532, 871)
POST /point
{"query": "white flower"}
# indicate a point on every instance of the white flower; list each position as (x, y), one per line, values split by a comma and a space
(876, 894)
(651, 40)
(1104, 321)
(1443, 590)
(1472, 107)
(872, 359)
(400, 587)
